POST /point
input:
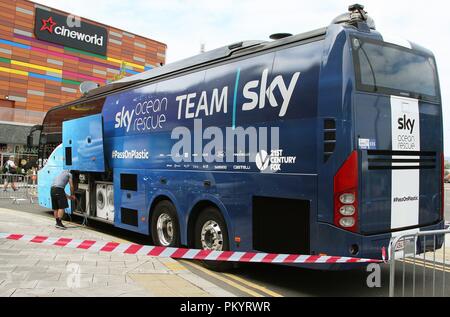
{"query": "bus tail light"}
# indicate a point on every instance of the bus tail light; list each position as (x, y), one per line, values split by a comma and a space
(346, 194)
(347, 222)
(347, 210)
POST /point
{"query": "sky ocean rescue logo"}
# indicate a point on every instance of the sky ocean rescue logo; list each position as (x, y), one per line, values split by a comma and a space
(145, 116)
(406, 139)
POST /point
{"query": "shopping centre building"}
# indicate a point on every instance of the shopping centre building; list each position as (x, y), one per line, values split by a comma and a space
(44, 56)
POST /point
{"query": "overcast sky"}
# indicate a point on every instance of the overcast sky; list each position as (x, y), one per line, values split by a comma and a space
(184, 25)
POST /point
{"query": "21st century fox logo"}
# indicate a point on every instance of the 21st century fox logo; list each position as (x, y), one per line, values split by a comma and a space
(272, 163)
(52, 27)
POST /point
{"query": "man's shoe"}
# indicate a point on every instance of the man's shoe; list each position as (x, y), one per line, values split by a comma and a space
(60, 225)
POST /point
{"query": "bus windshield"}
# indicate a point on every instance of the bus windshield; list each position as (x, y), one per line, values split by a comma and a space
(391, 69)
(51, 135)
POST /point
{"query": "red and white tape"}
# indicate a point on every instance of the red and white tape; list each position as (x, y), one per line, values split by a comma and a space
(183, 253)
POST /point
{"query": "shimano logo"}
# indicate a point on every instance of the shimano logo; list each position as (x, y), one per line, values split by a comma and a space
(134, 155)
(405, 199)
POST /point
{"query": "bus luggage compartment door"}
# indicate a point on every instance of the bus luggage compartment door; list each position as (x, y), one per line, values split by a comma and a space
(83, 144)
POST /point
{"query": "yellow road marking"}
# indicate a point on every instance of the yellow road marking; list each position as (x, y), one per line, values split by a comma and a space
(175, 266)
(427, 265)
(254, 285)
(225, 280)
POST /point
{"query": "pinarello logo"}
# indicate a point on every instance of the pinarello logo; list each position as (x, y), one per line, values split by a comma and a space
(48, 25)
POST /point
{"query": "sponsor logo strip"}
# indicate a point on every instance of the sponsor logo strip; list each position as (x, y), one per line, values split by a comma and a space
(181, 253)
(405, 183)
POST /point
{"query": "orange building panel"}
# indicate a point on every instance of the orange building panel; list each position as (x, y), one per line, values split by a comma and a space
(51, 69)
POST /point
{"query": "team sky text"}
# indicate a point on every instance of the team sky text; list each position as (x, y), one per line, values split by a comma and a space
(258, 94)
(193, 105)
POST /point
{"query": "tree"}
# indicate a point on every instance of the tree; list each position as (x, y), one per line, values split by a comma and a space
(122, 72)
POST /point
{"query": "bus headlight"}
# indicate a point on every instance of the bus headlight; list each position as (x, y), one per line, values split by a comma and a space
(347, 199)
(347, 222)
(347, 210)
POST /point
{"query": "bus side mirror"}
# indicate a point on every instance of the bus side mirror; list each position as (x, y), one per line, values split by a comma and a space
(30, 141)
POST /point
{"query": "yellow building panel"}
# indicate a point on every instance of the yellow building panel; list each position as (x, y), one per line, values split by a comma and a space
(13, 71)
(34, 66)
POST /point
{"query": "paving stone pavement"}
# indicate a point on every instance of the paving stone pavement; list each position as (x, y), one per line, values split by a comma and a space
(38, 270)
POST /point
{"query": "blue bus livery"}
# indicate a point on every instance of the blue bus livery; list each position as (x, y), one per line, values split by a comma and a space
(326, 142)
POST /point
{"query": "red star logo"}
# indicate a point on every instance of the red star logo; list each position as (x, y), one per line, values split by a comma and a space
(48, 25)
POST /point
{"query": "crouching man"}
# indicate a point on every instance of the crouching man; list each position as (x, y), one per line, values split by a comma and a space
(59, 197)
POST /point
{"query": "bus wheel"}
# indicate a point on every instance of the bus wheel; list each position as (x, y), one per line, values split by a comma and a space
(211, 234)
(165, 231)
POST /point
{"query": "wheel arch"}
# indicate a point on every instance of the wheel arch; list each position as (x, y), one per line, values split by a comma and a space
(197, 207)
(157, 198)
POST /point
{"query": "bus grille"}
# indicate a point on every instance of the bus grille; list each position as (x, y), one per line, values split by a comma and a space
(329, 138)
(401, 160)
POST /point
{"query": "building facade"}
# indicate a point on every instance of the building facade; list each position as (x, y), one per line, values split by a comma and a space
(44, 56)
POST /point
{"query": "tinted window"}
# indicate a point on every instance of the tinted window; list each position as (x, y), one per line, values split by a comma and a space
(51, 135)
(54, 118)
(391, 69)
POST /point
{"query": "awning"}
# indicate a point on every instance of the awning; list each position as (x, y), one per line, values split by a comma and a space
(14, 134)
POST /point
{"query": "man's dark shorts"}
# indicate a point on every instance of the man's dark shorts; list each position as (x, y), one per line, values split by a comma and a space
(59, 198)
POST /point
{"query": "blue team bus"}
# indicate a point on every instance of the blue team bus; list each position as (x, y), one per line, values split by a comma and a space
(327, 142)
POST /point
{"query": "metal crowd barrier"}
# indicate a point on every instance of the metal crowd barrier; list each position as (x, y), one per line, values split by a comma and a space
(418, 263)
(18, 187)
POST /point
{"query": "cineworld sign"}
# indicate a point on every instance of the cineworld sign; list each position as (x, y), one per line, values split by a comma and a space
(70, 31)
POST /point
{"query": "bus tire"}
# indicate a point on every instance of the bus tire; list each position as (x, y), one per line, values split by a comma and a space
(211, 233)
(165, 229)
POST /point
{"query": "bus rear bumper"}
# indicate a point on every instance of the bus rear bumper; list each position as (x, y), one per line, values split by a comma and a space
(345, 243)
(332, 241)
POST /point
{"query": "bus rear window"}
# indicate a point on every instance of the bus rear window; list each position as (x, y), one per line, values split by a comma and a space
(394, 70)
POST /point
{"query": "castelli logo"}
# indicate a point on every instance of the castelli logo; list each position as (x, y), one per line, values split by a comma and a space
(48, 25)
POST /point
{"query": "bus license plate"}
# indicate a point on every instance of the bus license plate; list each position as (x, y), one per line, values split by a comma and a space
(407, 246)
